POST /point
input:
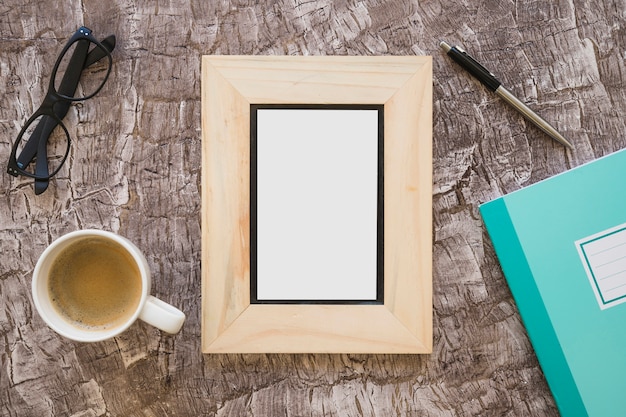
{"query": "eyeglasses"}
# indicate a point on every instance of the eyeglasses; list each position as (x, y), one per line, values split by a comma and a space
(43, 144)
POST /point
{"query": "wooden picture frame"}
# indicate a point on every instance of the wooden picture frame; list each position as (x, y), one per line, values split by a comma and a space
(230, 323)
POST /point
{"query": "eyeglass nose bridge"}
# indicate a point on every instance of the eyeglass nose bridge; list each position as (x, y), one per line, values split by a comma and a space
(54, 105)
(51, 102)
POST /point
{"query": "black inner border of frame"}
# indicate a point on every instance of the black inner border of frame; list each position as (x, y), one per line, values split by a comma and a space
(380, 202)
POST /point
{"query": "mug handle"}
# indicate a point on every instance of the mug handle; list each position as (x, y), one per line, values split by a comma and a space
(162, 315)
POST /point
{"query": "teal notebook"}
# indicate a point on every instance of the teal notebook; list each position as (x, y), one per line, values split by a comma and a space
(562, 246)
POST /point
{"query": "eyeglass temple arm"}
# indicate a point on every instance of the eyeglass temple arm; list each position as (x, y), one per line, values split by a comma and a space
(47, 124)
(96, 54)
(41, 163)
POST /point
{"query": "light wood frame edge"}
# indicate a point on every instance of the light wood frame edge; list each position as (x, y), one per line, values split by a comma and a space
(230, 324)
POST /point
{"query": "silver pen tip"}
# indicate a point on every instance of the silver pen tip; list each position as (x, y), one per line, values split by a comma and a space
(445, 46)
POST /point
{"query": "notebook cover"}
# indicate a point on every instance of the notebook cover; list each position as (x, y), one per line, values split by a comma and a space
(541, 235)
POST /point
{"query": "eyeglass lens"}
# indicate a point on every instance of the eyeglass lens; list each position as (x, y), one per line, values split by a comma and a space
(73, 61)
(56, 147)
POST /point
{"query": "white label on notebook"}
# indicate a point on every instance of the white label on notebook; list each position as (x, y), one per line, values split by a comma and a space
(604, 258)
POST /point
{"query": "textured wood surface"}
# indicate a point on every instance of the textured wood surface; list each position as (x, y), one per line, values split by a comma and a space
(135, 169)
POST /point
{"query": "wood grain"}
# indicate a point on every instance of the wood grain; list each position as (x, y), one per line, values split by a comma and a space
(135, 169)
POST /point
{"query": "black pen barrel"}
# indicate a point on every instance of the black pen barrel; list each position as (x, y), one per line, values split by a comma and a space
(472, 66)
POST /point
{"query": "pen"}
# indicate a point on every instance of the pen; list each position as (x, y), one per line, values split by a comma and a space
(491, 82)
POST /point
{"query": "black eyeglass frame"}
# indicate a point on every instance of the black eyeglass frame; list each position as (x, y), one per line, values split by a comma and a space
(52, 98)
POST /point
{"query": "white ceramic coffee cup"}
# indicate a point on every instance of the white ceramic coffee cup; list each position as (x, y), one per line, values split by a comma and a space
(150, 309)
